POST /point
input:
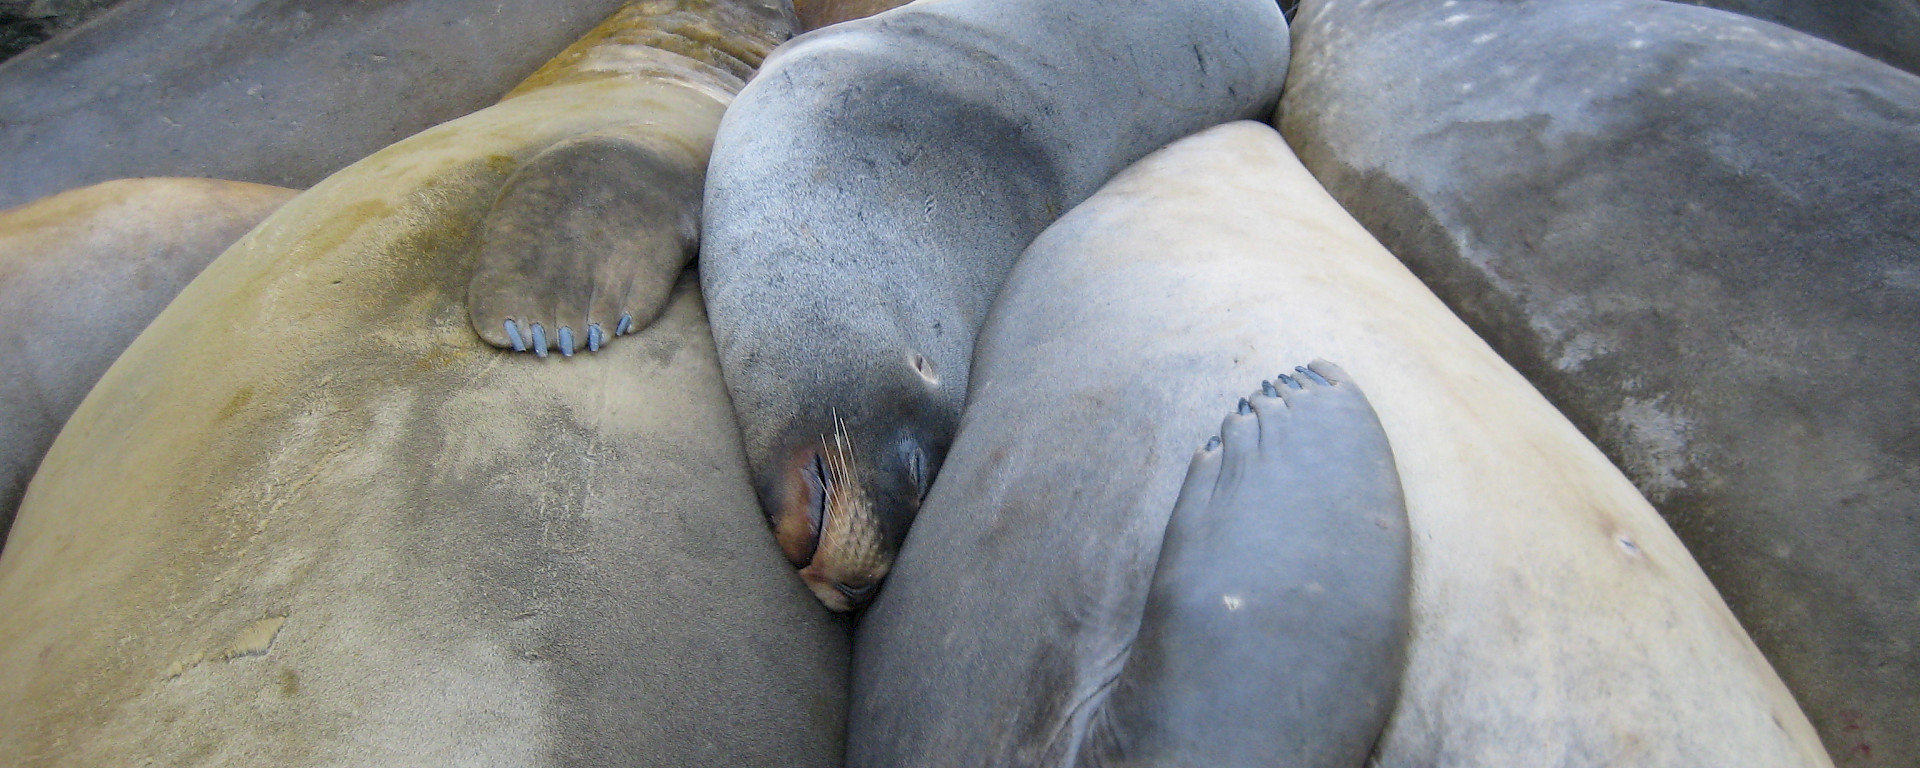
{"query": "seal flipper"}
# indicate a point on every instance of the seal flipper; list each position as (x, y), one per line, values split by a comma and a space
(587, 237)
(1276, 626)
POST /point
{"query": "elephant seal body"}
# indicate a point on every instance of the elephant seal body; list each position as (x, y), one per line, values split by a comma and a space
(1888, 30)
(278, 92)
(1555, 619)
(309, 519)
(868, 192)
(81, 273)
(1695, 233)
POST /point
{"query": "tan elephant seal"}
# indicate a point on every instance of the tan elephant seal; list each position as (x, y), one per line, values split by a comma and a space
(309, 519)
(81, 273)
(1555, 619)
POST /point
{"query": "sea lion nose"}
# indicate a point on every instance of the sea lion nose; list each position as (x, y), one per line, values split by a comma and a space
(798, 503)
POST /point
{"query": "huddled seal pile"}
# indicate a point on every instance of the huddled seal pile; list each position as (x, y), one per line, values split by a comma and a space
(1555, 620)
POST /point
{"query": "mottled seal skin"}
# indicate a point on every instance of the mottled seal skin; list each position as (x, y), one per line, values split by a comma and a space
(869, 190)
(309, 519)
(1888, 30)
(278, 92)
(1556, 620)
(81, 273)
(1695, 233)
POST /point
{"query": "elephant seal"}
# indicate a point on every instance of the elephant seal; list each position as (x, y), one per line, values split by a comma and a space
(81, 273)
(279, 92)
(1555, 619)
(24, 23)
(814, 14)
(1674, 221)
(869, 190)
(1888, 30)
(309, 519)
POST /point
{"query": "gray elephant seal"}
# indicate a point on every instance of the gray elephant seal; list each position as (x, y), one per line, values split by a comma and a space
(278, 92)
(1675, 221)
(1555, 619)
(309, 519)
(1888, 30)
(867, 194)
(81, 273)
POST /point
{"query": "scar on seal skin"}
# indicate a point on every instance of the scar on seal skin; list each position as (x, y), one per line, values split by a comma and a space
(584, 241)
(1276, 625)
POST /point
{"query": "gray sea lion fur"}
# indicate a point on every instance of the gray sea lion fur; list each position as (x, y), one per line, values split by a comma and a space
(1555, 619)
(1675, 221)
(869, 190)
(81, 273)
(310, 519)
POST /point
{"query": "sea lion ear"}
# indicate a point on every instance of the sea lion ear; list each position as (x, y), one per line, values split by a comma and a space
(585, 241)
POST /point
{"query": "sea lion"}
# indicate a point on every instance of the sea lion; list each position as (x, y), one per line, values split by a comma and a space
(309, 519)
(1555, 619)
(278, 92)
(868, 192)
(1674, 220)
(81, 273)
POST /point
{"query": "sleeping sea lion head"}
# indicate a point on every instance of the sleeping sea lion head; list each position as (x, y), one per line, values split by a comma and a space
(845, 465)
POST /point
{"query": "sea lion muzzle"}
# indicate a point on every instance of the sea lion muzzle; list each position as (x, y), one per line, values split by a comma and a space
(826, 524)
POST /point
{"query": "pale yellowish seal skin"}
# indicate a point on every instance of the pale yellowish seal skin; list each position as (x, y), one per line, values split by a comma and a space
(81, 273)
(1556, 620)
(309, 519)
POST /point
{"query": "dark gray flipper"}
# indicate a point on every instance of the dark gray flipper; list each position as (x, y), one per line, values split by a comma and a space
(589, 234)
(1276, 627)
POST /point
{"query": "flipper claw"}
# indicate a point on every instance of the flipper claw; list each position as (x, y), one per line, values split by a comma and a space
(513, 333)
(539, 340)
(625, 327)
(1289, 381)
(1266, 388)
(1312, 374)
(566, 341)
(593, 337)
